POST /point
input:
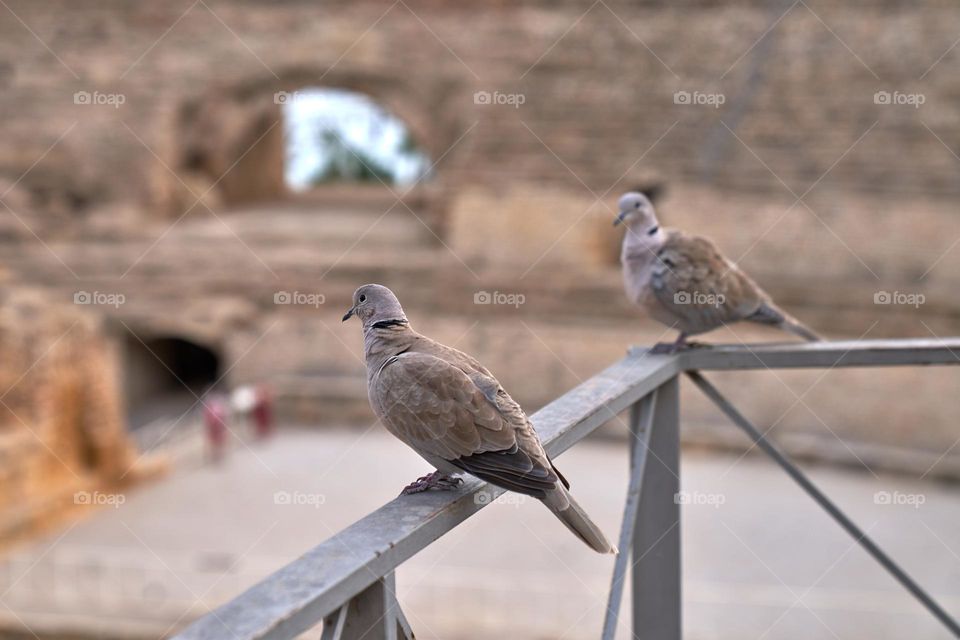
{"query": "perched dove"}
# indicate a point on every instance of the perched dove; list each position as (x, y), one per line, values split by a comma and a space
(684, 282)
(448, 408)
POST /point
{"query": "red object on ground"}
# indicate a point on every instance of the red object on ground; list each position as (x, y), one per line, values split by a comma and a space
(215, 423)
(262, 413)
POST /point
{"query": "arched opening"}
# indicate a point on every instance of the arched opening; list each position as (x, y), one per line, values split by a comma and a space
(163, 376)
(335, 136)
(230, 152)
(264, 142)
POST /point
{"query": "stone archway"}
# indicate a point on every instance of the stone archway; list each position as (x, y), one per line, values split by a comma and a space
(232, 150)
(230, 143)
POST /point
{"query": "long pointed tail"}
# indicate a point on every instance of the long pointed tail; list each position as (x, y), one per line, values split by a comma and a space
(797, 328)
(571, 514)
(770, 314)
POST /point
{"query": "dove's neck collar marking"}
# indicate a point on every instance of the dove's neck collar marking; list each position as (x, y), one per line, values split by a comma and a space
(639, 243)
(385, 339)
(386, 324)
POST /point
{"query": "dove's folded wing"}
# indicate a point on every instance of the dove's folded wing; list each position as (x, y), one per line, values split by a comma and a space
(696, 283)
(438, 409)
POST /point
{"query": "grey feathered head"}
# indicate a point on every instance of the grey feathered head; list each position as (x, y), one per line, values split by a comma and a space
(374, 304)
(635, 210)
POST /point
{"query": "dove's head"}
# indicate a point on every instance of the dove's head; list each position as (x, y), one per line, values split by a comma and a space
(636, 211)
(374, 304)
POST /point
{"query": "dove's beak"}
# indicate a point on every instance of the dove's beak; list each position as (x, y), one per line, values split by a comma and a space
(620, 218)
(348, 314)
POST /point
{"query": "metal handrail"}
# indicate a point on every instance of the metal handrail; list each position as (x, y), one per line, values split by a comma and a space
(346, 582)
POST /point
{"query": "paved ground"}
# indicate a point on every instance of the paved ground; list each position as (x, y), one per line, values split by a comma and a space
(760, 560)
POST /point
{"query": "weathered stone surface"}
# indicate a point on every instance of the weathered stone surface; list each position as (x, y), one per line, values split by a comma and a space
(174, 198)
(62, 432)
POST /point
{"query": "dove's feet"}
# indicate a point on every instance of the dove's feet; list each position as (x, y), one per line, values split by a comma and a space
(663, 348)
(436, 481)
(667, 348)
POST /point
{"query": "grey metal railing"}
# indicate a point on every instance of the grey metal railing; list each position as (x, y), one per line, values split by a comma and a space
(347, 583)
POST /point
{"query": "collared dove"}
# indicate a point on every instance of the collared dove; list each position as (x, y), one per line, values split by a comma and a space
(449, 409)
(684, 282)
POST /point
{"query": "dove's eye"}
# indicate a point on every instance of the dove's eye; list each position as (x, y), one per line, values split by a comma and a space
(363, 298)
(637, 205)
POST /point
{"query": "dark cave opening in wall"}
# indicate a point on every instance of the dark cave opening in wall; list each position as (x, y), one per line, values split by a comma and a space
(164, 376)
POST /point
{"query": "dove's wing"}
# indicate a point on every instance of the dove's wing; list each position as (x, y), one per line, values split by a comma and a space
(465, 418)
(701, 287)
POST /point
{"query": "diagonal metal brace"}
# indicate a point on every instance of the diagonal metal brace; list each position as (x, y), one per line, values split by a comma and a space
(833, 510)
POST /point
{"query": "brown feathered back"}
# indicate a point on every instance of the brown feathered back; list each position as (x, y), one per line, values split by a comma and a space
(452, 411)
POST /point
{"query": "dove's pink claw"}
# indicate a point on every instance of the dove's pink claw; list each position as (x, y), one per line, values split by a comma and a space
(436, 481)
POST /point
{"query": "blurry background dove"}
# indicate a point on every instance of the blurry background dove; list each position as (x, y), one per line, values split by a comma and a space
(190, 192)
(683, 281)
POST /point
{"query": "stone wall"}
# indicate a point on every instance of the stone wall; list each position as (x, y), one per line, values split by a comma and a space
(62, 431)
(174, 198)
(597, 83)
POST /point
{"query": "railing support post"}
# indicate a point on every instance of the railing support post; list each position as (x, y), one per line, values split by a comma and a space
(373, 614)
(656, 538)
(641, 424)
